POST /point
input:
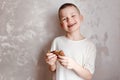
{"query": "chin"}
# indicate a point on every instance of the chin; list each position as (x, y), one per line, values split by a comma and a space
(74, 29)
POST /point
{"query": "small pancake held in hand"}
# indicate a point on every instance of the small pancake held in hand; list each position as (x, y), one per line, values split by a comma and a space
(58, 52)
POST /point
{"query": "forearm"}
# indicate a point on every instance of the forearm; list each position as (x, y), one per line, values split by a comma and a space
(82, 72)
(52, 67)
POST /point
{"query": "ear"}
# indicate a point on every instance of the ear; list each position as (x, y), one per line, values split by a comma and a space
(81, 17)
(61, 24)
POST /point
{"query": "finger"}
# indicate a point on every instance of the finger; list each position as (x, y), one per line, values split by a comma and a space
(62, 57)
(48, 51)
(51, 56)
(64, 64)
(63, 60)
(46, 56)
(51, 59)
(46, 60)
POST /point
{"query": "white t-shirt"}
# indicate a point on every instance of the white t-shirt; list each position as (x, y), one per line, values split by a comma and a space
(82, 51)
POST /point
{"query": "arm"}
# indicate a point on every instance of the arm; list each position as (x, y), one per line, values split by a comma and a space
(51, 58)
(78, 69)
(87, 70)
(82, 72)
(51, 61)
(52, 67)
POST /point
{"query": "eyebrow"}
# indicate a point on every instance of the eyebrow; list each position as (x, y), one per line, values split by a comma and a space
(71, 13)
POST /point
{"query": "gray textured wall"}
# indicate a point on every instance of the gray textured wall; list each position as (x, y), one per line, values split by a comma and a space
(27, 28)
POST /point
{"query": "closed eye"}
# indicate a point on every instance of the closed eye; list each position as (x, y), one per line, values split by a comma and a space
(64, 19)
(73, 15)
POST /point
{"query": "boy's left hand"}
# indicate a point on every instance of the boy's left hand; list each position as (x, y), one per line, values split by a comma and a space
(66, 62)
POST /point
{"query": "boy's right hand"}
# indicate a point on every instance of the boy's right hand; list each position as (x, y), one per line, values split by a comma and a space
(51, 59)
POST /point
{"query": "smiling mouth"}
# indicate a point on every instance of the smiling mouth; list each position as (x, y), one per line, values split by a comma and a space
(69, 26)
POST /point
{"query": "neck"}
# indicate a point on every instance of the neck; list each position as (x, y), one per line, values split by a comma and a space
(75, 36)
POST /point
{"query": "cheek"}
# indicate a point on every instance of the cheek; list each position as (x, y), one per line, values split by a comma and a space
(63, 25)
(79, 20)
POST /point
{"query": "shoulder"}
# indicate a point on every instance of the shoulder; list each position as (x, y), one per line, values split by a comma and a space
(90, 43)
(91, 48)
(59, 38)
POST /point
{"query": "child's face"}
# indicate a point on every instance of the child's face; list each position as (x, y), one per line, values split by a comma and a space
(70, 19)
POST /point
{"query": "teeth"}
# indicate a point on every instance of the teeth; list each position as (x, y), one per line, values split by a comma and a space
(71, 25)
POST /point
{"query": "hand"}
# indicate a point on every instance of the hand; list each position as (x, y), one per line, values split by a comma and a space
(51, 58)
(66, 62)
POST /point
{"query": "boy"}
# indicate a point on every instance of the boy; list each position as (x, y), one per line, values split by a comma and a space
(80, 53)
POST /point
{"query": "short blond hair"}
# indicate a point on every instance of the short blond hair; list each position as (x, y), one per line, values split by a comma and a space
(67, 5)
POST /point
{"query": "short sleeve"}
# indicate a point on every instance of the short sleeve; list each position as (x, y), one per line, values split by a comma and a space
(90, 58)
(53, 45)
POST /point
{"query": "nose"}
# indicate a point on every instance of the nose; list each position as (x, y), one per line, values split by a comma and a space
(70, 20)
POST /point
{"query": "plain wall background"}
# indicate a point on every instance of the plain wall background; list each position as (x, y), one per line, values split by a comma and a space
(27, 28)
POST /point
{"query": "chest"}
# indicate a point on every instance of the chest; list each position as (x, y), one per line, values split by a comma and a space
(74, 51)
